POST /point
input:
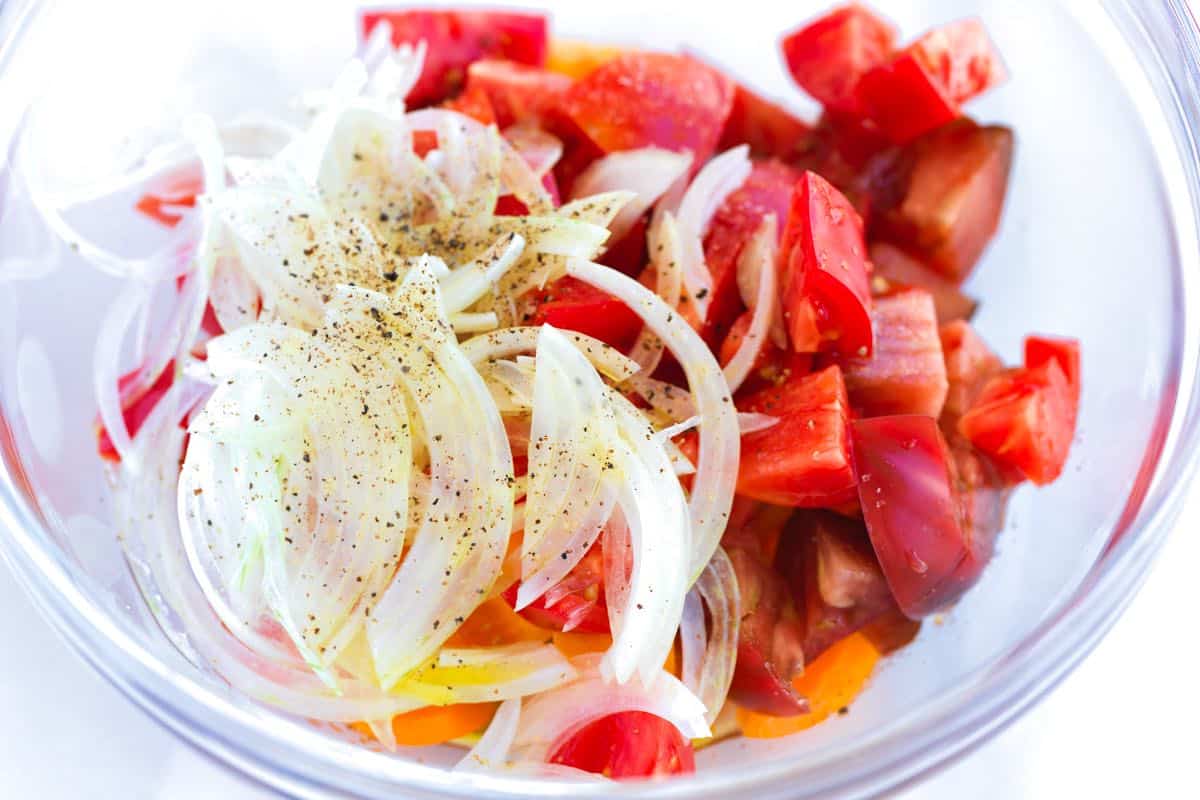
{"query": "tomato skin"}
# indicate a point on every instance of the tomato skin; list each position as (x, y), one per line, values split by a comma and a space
(1040, 350)
(767, 190)
(517, 92)
(828, 56)
(961, 59)
(904, 100)
(942, 196)
(571, 304)
(825, 288)
(456, 39)
(804, 459)
(930, 529)
(768, 128)
(1025, 419)
(475, 103)
(582, 608)
(969, 365)
(652, 99)
(907, 373)
(896, 271)
(628, 744)
(770, 652)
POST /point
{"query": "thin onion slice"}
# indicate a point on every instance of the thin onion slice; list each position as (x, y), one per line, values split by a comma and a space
(709, 658)
(647, 172)
(757, 256)
(510, 342)
(666, 260)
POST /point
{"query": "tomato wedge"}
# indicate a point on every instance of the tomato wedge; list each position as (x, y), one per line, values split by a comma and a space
(907, 374)
(969, 365)
(960, 57)
(575, 58)
(941, 198)
(574, 305)
(828, 56)
(652, 99)
(804, 459)
(896, 270)
(517, 92)
(456, 39)
(1040, 350)
(575, 604)
(475, 103)
(768, 128)
(826, 294)
(931, 516)
(628, 744)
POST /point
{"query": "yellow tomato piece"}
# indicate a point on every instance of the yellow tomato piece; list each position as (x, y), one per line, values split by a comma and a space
(576, 59)
(830, 683)
(436, 724)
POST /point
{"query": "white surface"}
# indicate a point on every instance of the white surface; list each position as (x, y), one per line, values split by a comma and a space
(1121, 726)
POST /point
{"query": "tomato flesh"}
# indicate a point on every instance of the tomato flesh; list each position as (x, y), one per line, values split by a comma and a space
(517, 92)
(906, 374)
(804, 459)
(628, 744)
(969, 365)
(896, 270)
(931, 521)
(571, 304)
(943, 195)
(576, 604)
(475, 103)
(826, 294)
(135, 408)
(456, 39)
(768, 128)
(828, 56)
(1040, 350)
(652, 99)
(961, 59)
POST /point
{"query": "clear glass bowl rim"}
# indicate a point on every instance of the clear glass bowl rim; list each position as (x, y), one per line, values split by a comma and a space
(1166, 39)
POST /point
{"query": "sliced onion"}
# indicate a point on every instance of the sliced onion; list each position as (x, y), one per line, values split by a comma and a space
(719, 178)
(647, 173)
(758, 256)
(463, 287)
(708, 668)
(665, 398)
(753, 422)
(510, 342)
(666, 259)
(541, 150)
(598, 209)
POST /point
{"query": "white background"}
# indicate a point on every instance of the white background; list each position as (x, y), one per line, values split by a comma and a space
(1124, 725)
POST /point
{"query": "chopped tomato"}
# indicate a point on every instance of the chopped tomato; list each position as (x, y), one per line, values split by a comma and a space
(830, 683)
(456, 39)
(837, 584)
(769, 644)
(896, 270)
(475, 103)
(571, 304)
(826, 295)
(575, 604)
(943, 195)
(767, 190)
(756, 527)
(773, 366)
(969, 365)
(628, 744)
(509, 205)
(1025, 420)
(928, 518)
(436, 724)
(493, 624)
(423, 142)
(828, 56)
(517, 92)
(855, 139)
(961, 59)
(768, 128)
(1040, 350)
(652, 99)
(907, 374)
(904, 100)
(628, 254)
(135, 406)
(892, 631)
(804, 459)
(576, 59)
(178, 191)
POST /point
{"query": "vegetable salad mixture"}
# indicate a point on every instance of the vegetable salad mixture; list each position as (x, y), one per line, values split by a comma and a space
(575, 402)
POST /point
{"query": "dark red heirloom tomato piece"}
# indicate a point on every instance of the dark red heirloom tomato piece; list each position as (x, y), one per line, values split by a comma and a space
(823, 258)
(970, 363)
(135, 407)
(836, 582)
(942, 196)
(517, 92)
(1024, 419)
(769, 640)
(644, 99)
(456, 39)
(931, 520)
(828, 56)
(768, 128)
(896, 270)
(907, 373)
(767, 190)
(628, 744)
(804, 459)
(960, 57)
(576, 604)
(571, 304)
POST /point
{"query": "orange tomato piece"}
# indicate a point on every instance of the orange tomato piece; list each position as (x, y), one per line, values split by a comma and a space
(495, 623)
(575, 59)
(830, 683)
(436, 724)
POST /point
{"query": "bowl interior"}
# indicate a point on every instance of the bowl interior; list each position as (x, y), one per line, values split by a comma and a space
(1087, 249)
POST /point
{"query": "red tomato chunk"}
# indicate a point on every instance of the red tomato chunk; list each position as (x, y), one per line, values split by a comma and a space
(628, 744)
(517, 92)
(571, 304)
(907, 373)
(969, 365)
(896, 270)
(827, 57)
(768, 128)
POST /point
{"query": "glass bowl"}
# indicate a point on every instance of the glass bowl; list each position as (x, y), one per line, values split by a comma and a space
(1099, 241)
